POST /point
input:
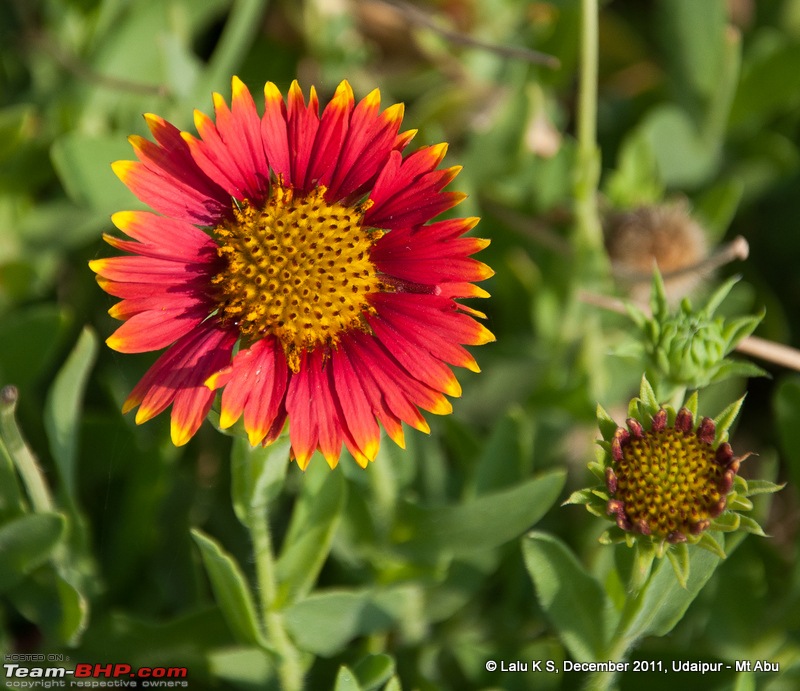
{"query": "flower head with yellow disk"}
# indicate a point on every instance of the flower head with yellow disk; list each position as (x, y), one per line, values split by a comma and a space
(669, 481)
(293, 262)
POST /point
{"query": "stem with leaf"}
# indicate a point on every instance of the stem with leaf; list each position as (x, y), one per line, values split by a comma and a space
(289, 667)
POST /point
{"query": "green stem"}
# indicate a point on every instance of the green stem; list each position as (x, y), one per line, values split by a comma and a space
(289, 667)
(240, 30)
(600, 681)
(587, 173)
(26, 463)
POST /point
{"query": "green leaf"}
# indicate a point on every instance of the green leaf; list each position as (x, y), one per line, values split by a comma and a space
(500, 462)
(719, 295)
(684, 158)
(242, 668)
(27, 542)
(74, 610)
(573, 600)
(257, 474)
(648, 397)
(699, 29)
(581, 496)
(728, 369)
(305, 548)
(231, 591)
(717, 207)
(483, 523)
(324, 623)
(53, 604)
(709, 543)
(726, 522)
(737, 329)
(29, 339)
(663, 601)
(635, 182)
(346, 680)
(725, 419)
(63, 409)
(750, 525)
(373, 671)
(83, 164)
(605, 423)
(755, 487)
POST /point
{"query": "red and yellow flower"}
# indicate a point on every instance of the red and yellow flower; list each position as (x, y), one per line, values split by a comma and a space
(293, 263)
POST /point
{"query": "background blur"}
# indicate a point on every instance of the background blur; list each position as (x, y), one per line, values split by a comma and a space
(699, 105)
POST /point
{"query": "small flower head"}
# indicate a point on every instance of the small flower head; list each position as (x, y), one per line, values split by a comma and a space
(688, 347)
(294, 265)
(669, 478)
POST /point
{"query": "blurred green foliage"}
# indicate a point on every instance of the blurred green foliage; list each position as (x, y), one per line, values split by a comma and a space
(410, 574)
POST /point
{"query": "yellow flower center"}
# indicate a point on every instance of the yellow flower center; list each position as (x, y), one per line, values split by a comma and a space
(298, 269)
(668, 481)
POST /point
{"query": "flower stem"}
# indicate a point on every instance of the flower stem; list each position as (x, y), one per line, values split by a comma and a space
(587, 172)
(289, 668)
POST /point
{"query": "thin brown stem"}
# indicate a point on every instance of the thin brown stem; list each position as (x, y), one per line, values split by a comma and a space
(735, 250)
(416, 16)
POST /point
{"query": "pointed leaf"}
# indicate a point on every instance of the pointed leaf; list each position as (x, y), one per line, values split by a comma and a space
(325, 622)
(648, 396)
(581, 496)
(763, 487)
(573, 600)
(605, 423)
(737, 329)
(719, 295)
(231, 591)
(750, 525)
(63, 408)
(374, 671)
(346, 680)
(482, 523)
(709, 543)
(726, 522)
(725, 419)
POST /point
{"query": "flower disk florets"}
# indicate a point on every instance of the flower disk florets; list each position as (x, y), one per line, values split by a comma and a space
(668, 482)
(298, 269)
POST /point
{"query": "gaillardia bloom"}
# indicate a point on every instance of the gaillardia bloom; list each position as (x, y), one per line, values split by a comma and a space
(293, 263)
(667, 482)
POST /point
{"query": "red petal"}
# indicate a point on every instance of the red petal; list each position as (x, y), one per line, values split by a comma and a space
(231, 152)
(274, 134)
(155, 329)
(330, 137)
(178, 376)
(358, 417)
(366, 148)
(256, 385)
(302, 125)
